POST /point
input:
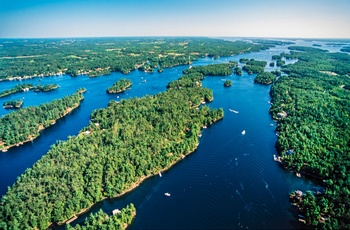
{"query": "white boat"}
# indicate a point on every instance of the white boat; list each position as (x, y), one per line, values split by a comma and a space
(167, 194)
(233, 111)
(243, 132)
(160, 174)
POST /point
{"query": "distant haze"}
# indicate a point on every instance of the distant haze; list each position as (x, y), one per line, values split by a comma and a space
(236, 18)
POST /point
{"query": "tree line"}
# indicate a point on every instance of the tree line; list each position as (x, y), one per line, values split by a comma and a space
(96, 56)
(311, 106)
(25, 124)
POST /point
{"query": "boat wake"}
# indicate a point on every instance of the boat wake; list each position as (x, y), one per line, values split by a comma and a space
(233, 111)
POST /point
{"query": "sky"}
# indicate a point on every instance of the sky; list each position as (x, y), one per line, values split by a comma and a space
(213, 18)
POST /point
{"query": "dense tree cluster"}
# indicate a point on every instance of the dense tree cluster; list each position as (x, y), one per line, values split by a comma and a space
(254, 66)
(97, 56)
(102, 220)
(256, 63)
(45, 88)
(312, 107)
(188, 80)
(265, 78)
(124, 143)
(13, 104)
(243, 60)
(212, 70)
(26, 87)
(25, 124)
(227, 83)
(18, 88)
(238, 70)
(119, 86)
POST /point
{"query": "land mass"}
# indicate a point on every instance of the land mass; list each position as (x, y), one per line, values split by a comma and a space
(311, 106)
(25, 125)
(124, 144)
(119, 86)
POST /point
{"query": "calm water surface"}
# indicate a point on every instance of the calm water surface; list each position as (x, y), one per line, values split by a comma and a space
(230, 181)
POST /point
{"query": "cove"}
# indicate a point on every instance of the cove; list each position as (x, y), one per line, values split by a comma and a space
(231, 181)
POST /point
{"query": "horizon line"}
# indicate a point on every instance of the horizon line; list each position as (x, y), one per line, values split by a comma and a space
(179, 36)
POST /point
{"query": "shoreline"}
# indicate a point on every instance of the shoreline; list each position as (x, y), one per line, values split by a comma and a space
(134, 185)
(119, 91)
(31, 138)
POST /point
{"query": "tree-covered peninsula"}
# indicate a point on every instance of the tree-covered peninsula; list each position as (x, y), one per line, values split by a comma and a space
(21, 59)
(124, 144)
(25, 124)
(119, 86)
(311, 106)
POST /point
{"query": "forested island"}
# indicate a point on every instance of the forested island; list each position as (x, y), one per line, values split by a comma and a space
(212, 70)
(265, 78)
(238, 70)
(13, 104)
(311, 106)
(253, 66)
(29, 58)
(18, 88)
(45, 88)
(124, 144)
(119, 86)
(26, 87)
(25, 124)
(227, 83)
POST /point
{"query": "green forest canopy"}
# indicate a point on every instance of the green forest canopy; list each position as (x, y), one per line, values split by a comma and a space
(312, 107)
(25, 124)
(97, 56)
(124, 143)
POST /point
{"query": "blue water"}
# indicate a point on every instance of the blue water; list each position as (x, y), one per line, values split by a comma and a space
(231, 181)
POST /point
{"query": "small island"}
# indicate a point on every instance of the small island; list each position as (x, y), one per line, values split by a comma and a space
(13, 104)
(18, 88)
(254, 66)
(213, 69)
(227, 83)
(45, 88)
(265, 78)
(243, 60)
(119, 86)
(238, 70)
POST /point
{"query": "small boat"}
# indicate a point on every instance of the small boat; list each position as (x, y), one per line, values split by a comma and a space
(233, 111)
(160, 174)
(243, 132)
(167, 194)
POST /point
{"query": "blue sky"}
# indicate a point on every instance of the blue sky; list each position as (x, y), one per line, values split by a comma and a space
(238, 18)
